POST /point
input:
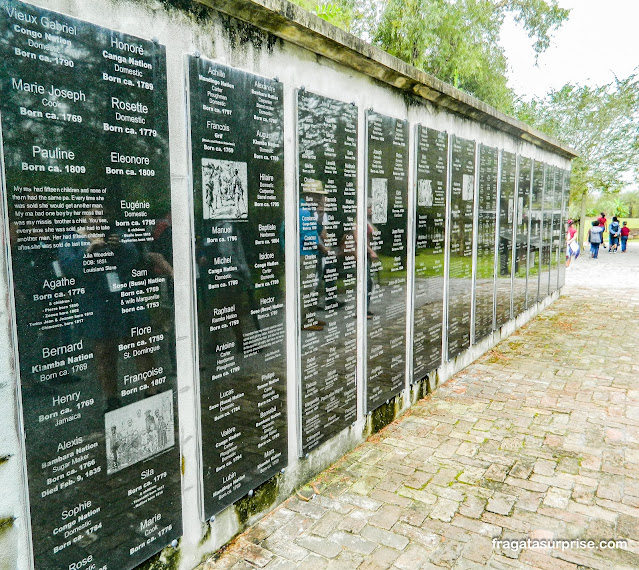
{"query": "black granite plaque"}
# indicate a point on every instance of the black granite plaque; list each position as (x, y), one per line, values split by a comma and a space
(565, 193)
(430, 222)
(461, 245)
(522, 213)
(85, 144)
(387, 220)
(327, 194)
(546, 231)
(486, 228)
(557, 249)
(237, 145)
(534, 249)
(505, 232)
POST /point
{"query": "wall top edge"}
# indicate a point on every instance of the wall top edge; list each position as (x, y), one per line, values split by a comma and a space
(300, 27)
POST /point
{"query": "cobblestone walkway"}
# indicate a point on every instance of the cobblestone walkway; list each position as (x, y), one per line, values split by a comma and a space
(538, 439)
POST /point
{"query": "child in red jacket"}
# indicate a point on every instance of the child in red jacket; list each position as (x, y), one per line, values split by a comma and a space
(625, 232)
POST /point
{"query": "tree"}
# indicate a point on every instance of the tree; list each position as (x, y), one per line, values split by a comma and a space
(601, 124)
(610, 205)
(457, 41)
(618, 207)
(339, 12)
(632, 201)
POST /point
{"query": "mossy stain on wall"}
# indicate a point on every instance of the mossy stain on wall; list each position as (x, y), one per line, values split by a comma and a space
(241, 34)
(383, 416)
(263, 497)
(187, 6)
(6, 523)
(207, 534)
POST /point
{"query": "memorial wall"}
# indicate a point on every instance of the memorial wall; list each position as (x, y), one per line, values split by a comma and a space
(535, 243)
(431, 167)
(460, 253)
(86, 151)
(196, 236)
(522, 234)
(327, 184)
(546, 231)
(386, 249)
(486, 232)
(557, 255)
(564, 219)
(506, 238)
(237, 149)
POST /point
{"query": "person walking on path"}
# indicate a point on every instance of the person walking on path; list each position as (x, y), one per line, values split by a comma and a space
(625, 232)
(613, 235)
(602, 223)
(594, 237)
(572, 247)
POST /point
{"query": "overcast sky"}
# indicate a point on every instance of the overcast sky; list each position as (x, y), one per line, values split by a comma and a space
(600, 39)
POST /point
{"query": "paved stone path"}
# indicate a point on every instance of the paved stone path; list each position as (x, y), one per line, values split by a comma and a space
(539, 438)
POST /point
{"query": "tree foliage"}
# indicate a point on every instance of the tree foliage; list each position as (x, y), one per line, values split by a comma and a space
(631, 199)
(624, 204)
(600, 123)
(457, 41)
(612, 206)
(340, 13)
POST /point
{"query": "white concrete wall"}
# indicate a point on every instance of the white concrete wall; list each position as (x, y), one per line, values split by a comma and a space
(295, 67)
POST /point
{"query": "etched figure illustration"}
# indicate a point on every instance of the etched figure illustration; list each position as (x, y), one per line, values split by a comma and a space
(139, 431)
(225, 195)
(380, 200)
(425, 193)
(467, 187)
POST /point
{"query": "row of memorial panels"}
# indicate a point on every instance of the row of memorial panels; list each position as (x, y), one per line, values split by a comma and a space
(93, 285)
(474, 288)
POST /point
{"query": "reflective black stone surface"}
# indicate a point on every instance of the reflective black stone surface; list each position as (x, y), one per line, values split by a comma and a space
(521, 234)
(387, 220)
(534, 250)
(327, 194)
(565, 194)
(486, 228)
(461, 245)
(85, 143)
(430, 222)
(557, 251)
(237, 142)
(507, 223)
(546, 231)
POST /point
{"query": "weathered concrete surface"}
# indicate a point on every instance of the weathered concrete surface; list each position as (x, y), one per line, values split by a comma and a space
(539, 438)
